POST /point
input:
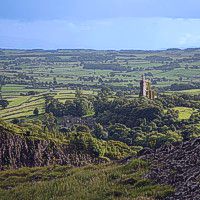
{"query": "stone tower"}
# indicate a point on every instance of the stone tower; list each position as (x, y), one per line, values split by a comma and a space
(143, 86)
(145, 89)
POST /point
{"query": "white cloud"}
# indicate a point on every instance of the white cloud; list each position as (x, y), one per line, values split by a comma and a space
(189, 39)
(108, 33)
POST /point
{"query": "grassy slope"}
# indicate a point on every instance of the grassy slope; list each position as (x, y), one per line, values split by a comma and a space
(111, 181)
(184, 112)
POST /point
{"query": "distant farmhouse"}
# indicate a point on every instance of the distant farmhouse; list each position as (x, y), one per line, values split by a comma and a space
(145, 89)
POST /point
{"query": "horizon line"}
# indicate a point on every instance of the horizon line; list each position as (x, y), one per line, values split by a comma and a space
(93, 49)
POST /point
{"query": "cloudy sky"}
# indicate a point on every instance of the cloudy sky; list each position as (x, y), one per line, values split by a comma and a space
(100, 24)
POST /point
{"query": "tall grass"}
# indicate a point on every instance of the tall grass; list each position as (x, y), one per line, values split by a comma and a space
(110, 181)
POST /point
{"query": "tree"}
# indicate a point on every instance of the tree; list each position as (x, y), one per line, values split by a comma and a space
(99, 132)
(79, 107)
(15, 121)
(36, 112)
(4, 103)
(118, 132)
(78, 93)
(189, 132)
(155, 139)
(64, 130)
(49, 122)
(82, 128)
(55, 81)
(104, 93)
(2, 82)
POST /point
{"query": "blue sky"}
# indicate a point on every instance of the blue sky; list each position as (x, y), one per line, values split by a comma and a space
(99, 24)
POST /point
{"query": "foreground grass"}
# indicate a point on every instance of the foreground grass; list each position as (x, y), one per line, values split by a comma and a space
(111, 181)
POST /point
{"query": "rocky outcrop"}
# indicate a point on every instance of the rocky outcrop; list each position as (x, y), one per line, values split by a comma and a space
(177, 165)
(17, 151)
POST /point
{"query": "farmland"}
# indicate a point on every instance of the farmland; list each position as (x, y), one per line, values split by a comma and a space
(59, 73)
(23, 106)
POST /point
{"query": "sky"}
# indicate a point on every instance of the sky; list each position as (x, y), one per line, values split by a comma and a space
(99, 24)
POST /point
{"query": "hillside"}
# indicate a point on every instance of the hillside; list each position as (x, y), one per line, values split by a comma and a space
(73, 125)
(38, 168)
(170, 172)
(93, 182)
(20, 149)
(16, 152)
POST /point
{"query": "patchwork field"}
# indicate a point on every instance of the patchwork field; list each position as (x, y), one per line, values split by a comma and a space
(60, 72)
(23, 106)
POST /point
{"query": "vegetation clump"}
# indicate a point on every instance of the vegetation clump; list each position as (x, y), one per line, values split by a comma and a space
(90, 182)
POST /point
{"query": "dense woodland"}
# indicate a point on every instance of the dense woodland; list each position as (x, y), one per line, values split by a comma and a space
(138, 123)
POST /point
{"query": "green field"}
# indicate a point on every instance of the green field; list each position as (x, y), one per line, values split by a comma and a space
(185, 112)
(192, 91)
(107, 182)
(23, 106)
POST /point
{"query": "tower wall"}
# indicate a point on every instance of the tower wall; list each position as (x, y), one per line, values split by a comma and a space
(145, 89)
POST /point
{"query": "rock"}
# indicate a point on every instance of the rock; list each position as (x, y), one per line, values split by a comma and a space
(177, 165)
(17, 151)
(145, 151)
